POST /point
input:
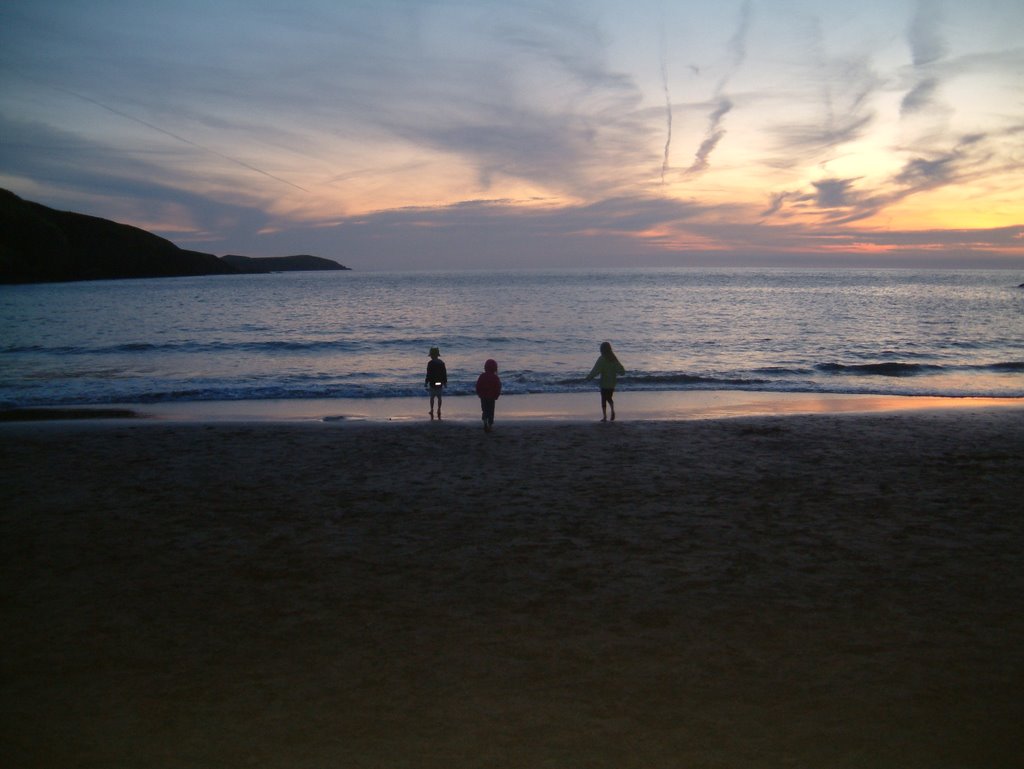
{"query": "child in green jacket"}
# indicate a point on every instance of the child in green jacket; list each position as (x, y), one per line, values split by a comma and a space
(608, 368)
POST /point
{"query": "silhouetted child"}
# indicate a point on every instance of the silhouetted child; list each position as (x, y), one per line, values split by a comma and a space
(488, 387)
(608, 368)
(437, 379)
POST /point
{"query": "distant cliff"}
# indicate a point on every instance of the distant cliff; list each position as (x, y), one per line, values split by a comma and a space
(300, 263)
(39, 245)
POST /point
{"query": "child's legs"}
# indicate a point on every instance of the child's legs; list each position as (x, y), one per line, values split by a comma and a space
(487, 410)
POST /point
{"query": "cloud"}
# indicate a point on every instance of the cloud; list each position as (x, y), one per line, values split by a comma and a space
(181, 139)
(839, 93)
(715, 134)
(619, 231)
(921, 96)
(835, 193)
(927, 44)
(796, 142)
(972, 157)
(73, 173)
(927, 47)
(267, 129)
(516, 92)
(993, 239)
(831, 197)
(737, 48)
(491, 233)
(533, 100)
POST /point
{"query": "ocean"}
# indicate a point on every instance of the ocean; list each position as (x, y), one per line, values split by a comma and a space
(367, 335)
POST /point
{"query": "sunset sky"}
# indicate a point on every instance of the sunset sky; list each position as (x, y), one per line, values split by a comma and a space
(428, 134)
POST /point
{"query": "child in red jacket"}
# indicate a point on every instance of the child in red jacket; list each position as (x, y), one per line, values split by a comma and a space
(488, 387)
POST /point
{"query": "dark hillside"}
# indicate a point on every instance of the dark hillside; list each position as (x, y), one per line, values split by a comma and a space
(42, 245)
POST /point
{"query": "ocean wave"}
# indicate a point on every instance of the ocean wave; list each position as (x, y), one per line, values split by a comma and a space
(693, 379)
(274, 346)
(782, 371)
(36, 348)
(1006, 366)
(215, 347)
(894, 369)
(664, 381)
(903, 369)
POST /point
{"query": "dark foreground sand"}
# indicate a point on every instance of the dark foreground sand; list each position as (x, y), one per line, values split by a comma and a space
(805, 591)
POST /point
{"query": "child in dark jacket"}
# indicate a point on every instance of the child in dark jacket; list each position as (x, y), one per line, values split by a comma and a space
(437, 380)
(488, 387)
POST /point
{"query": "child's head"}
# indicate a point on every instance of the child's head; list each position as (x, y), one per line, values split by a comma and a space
(491, 366)
(434, 352)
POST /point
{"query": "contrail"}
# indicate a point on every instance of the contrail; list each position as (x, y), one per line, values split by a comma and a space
(175, 136)
(668, 104)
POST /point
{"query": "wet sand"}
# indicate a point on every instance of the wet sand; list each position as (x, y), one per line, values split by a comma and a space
(632, 406)
(798, 591)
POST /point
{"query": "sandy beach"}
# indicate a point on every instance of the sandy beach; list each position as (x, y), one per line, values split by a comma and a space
(823, 590)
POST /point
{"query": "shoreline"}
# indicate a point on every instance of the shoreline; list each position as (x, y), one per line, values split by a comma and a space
(570, 407)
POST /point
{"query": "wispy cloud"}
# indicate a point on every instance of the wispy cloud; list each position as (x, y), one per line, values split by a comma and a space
(178, 138)
(927, 47)
(843, 89)
(628, 230)
(74, 173)
(516, 95)
(844, 200)
(722, 104)
(540, 104)
(668, 103)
